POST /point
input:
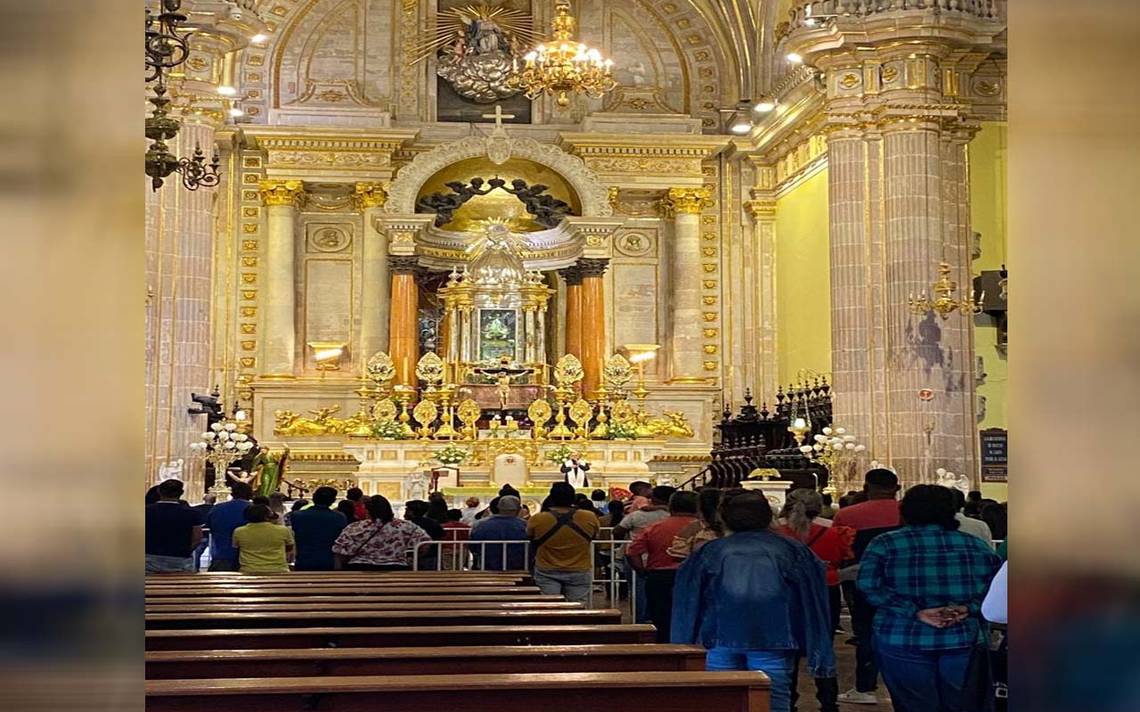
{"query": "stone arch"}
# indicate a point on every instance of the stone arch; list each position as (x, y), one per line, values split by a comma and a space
(592, 193)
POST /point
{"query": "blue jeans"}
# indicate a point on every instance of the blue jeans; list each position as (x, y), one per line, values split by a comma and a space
(924, 680)
(158, 564)
(776, 664)
(641, 599)
(574, 585)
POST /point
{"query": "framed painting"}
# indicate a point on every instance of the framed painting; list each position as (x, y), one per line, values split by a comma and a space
(498, 332)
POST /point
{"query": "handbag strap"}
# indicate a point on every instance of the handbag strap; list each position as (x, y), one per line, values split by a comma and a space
(360, 548)
(565, 519)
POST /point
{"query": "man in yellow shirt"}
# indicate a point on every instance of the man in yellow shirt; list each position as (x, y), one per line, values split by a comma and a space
(263, 547)
(561, 540)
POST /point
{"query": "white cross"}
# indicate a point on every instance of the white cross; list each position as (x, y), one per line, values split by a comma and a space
(498, 116)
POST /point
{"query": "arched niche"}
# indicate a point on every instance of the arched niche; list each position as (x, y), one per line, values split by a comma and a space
(592, 194)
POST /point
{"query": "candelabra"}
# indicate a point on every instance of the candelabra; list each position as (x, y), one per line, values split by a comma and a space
(944, 302)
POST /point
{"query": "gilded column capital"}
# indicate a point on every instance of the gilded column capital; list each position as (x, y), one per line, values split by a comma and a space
(369, 195)
(282, 192)
(687, 200)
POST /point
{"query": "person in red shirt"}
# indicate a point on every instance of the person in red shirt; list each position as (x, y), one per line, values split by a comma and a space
(880, 513)
(649, 554)
(356, 496)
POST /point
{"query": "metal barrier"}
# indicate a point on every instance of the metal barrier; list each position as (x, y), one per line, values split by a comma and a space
(608, 575)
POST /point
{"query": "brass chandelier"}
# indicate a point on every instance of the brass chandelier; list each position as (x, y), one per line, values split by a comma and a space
(563, 65)
(167, 47)
(944, 302)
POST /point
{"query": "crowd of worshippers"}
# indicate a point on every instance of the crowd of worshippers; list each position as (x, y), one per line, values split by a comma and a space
(922, 577)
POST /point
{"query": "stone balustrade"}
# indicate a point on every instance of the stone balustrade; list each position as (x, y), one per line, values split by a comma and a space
(814, 12)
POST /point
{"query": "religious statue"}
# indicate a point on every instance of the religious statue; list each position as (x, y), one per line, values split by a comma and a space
(477, 49)
(503, 372)
(574, 470)
(415, 487)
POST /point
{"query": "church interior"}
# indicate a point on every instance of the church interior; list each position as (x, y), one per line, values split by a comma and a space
(443, 247)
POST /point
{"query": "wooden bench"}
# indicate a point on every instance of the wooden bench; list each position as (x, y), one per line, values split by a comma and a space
(307, 662)
(396, 636)
(353, 605)
(430, 578)
(660, 691)
(294, 600)
(307, 619)
(339, 590)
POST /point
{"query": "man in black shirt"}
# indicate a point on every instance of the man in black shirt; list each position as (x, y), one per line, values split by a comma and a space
(415, 511)
(173, 530)
(315, 529)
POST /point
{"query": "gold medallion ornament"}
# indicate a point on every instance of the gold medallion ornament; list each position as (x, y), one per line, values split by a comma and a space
(384, 411)
(430, 369)
(580, 412)
(380, 369)
(622, 413)
(425, 413)
(539, 413)
(568, 371)
(469, 413)
(617, 374)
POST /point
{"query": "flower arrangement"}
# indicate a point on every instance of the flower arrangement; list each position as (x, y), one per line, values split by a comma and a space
(389, 430)
(452, 455)
(560, 454)
(622, 431)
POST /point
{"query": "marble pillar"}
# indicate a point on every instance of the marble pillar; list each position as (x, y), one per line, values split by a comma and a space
(374, 289)
(573, 278)
(179, 239)
(279, 340)
(403, 332)
(760, 333)
(593, 323)
(685, 205)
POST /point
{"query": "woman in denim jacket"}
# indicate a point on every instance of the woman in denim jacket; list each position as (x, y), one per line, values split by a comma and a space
(755, 599)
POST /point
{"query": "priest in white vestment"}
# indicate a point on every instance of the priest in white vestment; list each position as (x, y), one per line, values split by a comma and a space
(575, 471)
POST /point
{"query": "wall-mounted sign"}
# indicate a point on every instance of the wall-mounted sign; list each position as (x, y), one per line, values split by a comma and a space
(995, 454)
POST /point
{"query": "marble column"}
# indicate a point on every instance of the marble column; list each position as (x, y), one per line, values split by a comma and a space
(593, 323)
(685, 205)
(573, 277)
(374, 289)
(898, 116)
(403, 332)
(281, 199)
(760, 332)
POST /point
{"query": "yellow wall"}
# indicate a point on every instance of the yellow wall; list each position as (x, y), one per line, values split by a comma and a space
(803, 286)
(988, 217)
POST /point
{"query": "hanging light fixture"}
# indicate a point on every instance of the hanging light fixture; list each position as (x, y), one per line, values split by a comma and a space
(944, 303)
(166, 47)
(563, 65)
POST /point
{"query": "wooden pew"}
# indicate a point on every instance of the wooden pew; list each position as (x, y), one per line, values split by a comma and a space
(308, 619)
(292, 600)
(339, 590)
(353, 605)
(396, 636)
(308, 662)
(659, 691)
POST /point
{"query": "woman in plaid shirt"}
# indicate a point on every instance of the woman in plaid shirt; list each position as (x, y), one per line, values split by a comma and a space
(927, 581)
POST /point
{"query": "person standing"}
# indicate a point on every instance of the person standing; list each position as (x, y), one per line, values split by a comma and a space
(755, 599)
(504, 525)
(315, 530)
(347, 509)
(224, 518)
(649, 553)
(970, 525)
(707, 528)
(356, 496)
(470, 510)
(561, 543)
(173, 531)
(455, 532)
(381, 543)
(574, 471)
(928, 581)
(639, 496)
(263, 546)
(633, 524)
(832, 545)
(203, 511)
(874, 515)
